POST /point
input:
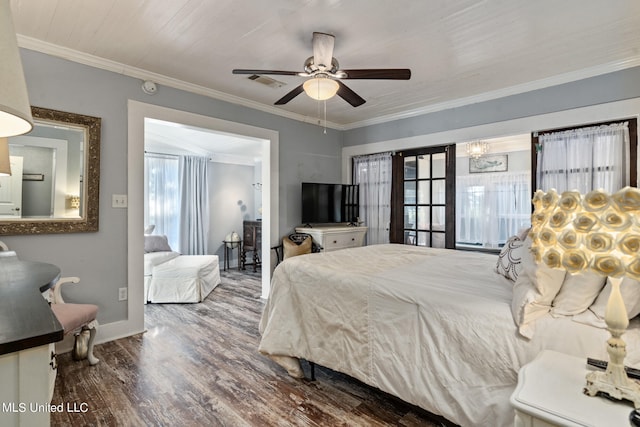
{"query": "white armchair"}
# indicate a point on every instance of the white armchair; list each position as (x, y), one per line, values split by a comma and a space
(79, 319)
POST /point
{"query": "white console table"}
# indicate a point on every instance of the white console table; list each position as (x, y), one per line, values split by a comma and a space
(332, 238)
(549, 393)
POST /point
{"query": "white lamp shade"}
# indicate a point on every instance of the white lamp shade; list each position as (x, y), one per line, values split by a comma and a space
(232, 240)
(321, 88)
(15, 110)
(5, 162)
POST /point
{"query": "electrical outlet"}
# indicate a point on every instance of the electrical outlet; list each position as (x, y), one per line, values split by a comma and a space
(122, 294)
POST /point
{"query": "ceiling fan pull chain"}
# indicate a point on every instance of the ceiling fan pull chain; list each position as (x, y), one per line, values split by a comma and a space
(325, 116)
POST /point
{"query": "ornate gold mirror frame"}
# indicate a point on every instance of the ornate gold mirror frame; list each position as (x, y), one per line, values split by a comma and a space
(88, 206)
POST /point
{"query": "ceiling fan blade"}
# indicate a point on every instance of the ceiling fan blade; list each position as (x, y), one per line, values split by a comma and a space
(288, 97)
(348, 95)
(382, 73)
(273, 72)
(323, 50)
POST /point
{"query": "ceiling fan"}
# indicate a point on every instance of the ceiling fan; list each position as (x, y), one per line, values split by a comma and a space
(324, 74)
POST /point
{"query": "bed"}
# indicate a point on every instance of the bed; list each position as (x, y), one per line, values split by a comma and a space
(170, 277)
(444, 330)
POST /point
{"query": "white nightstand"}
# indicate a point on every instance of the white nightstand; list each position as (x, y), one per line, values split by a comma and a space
(549, 393)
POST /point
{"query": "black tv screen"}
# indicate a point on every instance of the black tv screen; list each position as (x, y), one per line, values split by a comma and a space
(329, 203)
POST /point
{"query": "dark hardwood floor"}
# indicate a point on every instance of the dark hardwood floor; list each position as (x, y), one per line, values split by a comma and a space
(198, 365)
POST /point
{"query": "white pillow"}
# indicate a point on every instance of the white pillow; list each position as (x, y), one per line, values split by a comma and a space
(510, 259)
(630, 290)
(534, 291)
(577, 293)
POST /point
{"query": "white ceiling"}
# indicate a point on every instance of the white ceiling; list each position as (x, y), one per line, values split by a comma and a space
(459, 51)
(174, 138)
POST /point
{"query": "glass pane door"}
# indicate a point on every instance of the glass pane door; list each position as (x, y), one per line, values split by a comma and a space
(425, 199)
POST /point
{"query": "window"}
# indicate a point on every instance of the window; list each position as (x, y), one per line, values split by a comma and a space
(601, 155)
(373, 175)
(162, 196)
(491, 207)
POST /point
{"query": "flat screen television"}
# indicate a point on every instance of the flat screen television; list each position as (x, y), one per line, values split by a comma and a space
(329, 203)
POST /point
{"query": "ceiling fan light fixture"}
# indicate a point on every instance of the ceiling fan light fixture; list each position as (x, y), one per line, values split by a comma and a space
(321, 88)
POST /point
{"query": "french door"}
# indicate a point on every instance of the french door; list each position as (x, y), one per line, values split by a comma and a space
(423, 197)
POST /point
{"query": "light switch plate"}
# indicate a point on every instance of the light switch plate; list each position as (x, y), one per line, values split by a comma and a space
(119, 201)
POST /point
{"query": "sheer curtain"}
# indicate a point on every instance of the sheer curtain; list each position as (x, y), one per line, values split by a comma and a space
(491, 207)
(584, 159)
(162, 195)
(194, 202)
(373, 175)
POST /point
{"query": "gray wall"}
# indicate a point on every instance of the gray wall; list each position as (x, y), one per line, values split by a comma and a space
(100, 259)
(36, 195)
(596, 90)
(231, 201)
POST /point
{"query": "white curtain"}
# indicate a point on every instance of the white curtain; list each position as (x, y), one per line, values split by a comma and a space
(162, 195)
(584, 159)
(491, 207)
(194, 202)
(373, 175)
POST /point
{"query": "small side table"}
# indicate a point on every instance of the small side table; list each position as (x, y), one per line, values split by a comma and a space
(549, 393)
(229, 246)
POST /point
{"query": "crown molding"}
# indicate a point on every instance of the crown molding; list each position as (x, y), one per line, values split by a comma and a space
(139, 73)
(501, 93)
(116, 67)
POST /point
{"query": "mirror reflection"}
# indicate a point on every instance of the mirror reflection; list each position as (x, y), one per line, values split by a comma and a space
(46, 174)
(53, 187)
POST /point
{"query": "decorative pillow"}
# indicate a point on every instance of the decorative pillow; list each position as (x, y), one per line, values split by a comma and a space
(149, 229)
(577, 293)
(291, 248)
(536, 287)
(510, 259)
(156, 243)
(630, 290)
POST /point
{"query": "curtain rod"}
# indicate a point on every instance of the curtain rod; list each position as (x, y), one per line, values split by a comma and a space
(170, 155)
(160, 154)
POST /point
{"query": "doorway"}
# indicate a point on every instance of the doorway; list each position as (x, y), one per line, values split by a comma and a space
(137, 113)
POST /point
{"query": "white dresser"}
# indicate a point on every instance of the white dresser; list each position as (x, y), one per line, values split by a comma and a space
(333, 238)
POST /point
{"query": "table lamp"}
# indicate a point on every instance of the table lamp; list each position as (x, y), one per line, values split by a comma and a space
(597, 232)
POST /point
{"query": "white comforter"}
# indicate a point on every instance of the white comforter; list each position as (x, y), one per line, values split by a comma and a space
(431, 326)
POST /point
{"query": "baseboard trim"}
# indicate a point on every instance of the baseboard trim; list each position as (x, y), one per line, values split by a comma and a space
(105, 333)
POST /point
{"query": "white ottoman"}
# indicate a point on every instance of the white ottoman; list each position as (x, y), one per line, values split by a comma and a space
(187, 278)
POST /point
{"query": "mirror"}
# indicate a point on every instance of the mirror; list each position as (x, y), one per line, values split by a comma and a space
(55, 176)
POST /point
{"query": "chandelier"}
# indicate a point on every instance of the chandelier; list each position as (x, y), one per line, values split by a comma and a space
(477, 149)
